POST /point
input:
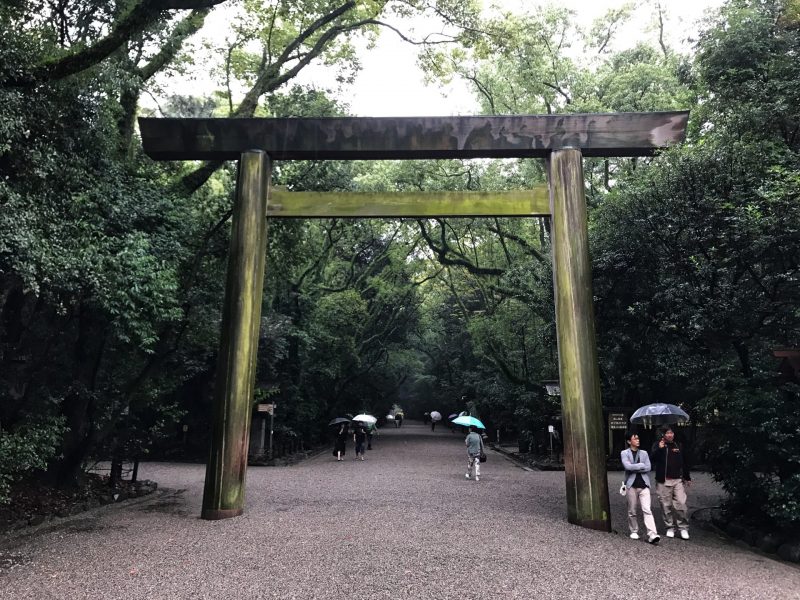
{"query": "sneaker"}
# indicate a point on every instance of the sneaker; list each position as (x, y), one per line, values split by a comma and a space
(653, 539)
(684, 534)
(670, 533)
(478, 479)
(634, 536)
(466, 475)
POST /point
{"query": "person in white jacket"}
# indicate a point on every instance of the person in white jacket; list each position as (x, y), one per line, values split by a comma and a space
(637, 482)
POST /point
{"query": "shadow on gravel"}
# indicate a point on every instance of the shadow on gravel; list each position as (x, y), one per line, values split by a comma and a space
(89, 525)
(171, 504)
(10, 561)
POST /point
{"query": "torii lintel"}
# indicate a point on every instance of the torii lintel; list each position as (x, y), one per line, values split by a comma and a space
(368, 138)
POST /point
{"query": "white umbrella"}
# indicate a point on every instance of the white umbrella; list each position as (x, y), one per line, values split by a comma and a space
(436, 415)
(365, 418)
(390, 417)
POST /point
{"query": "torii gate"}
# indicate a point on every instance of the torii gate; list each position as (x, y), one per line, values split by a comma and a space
(561, 139)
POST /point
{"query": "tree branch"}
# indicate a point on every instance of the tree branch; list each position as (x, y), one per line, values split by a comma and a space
(136, 20)
(442, 251)
(183, 30)
(271, 79)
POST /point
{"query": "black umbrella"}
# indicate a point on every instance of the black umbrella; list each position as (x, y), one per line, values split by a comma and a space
(338, 420)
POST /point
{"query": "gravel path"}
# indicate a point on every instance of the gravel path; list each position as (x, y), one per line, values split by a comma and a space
(405, 523)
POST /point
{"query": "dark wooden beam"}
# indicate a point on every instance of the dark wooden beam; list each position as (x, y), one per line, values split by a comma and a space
(365, 138)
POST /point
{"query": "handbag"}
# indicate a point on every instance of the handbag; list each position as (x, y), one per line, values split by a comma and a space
(482, 456)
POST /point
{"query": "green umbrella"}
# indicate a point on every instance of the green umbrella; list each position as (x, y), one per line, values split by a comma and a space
(468, 422)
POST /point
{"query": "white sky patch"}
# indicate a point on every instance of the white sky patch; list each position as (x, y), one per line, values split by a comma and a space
(390, 82)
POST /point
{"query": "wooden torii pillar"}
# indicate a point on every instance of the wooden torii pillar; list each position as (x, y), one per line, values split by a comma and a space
(561, 139)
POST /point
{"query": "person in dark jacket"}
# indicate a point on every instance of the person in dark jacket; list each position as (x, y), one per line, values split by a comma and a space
(340, 446)
(360, 439)
(672, 481)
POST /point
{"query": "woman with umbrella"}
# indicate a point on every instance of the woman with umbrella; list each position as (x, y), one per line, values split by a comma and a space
(474, 443)
(340, 445)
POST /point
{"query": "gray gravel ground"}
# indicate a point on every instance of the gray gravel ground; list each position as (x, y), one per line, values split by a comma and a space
(405, 523)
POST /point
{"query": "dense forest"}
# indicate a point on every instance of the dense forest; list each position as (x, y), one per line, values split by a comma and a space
(112, 266)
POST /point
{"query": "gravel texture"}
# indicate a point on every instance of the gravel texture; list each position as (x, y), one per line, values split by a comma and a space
(404, 523)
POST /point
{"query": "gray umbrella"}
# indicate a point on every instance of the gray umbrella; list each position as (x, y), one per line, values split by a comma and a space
(659, 414)
(338, 420)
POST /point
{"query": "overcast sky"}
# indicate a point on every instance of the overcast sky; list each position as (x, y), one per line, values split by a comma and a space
(390, 83)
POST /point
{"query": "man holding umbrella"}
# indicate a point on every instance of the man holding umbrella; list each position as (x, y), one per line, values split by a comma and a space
(672, 479)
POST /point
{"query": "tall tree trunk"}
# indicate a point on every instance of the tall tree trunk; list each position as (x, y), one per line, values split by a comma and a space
(129, 101)
(78, 405)
(743, 352)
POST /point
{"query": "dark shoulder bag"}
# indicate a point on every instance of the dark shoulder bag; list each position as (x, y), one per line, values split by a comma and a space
(482, 457)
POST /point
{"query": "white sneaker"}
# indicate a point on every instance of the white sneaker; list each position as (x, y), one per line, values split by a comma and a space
(684, 534)
(478, 479)
(670, 533)
(466, 475)
(634, 536)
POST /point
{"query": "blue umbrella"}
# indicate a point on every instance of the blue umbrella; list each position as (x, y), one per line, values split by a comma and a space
(468, 421)
(659, 414)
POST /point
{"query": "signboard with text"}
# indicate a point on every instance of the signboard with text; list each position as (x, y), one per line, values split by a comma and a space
(617, 421)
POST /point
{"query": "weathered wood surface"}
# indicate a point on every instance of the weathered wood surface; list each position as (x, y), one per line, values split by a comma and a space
(582, 411)
(516, 203)
(223, 496)
(351, 138)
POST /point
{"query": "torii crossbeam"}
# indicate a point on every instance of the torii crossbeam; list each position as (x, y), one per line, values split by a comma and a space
(561, 139)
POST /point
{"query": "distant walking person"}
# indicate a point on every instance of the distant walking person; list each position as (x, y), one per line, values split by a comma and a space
(360, 438)
(340, 446)
(672, 479)
(370, 433)
(637, 482)
(398, 419)
(474, 443)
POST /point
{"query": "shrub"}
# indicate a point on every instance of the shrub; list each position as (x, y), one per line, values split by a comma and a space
(25, 449)
(754, 446)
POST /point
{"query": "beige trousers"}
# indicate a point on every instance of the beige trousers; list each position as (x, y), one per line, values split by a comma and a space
(640, 497)
(474, 463)
(673, 499)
